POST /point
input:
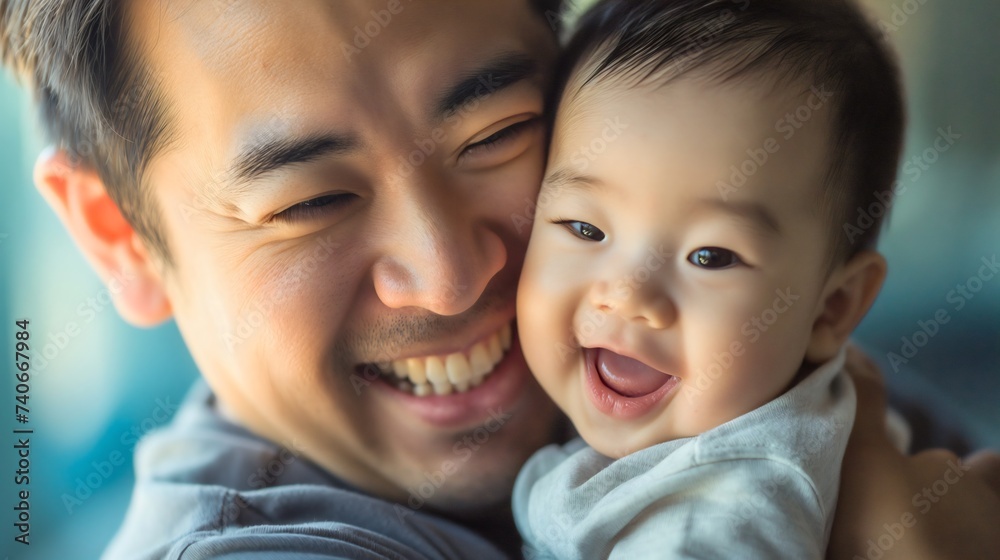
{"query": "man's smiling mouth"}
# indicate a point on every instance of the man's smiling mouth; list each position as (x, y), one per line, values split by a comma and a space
(444, 374)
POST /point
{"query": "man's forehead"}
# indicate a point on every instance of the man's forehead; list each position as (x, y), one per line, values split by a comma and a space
(224, 63)
(228, 34)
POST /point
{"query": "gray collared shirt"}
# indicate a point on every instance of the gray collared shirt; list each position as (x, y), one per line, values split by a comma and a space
(206, 488)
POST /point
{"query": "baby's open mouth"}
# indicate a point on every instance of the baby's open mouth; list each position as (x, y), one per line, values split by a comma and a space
(627, 376)
(445, 374)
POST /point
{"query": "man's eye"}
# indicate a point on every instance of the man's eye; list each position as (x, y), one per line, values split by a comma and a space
(713, 258)
(499, 138)
(583, 230)
(313, 208)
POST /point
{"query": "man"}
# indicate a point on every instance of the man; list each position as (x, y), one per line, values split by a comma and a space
(328, 198)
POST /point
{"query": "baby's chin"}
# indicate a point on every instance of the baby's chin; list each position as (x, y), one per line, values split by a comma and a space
(618, 439)
(618, 448)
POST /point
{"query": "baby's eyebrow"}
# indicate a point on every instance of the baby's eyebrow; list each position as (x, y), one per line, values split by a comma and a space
(566, 179)
(751, 211)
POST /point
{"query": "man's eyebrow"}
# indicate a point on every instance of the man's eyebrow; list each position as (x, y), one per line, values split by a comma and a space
(270, 155)
(754, 212)
(501, 72)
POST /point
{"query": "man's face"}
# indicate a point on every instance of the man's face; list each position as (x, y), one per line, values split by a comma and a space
(661, 295)
(342, 190)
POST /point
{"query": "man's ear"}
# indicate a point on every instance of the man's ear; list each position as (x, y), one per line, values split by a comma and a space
(848, 295)
(107, 240)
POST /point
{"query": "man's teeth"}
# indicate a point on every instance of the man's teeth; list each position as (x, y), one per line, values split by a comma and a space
(443, 375)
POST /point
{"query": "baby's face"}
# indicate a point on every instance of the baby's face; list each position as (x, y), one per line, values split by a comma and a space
(673, 275)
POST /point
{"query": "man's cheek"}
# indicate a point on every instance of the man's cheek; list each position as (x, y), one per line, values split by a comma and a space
(518, 206)
(313, 316)
(287, 312)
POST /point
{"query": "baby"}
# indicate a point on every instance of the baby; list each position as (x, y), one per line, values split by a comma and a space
(695, 271)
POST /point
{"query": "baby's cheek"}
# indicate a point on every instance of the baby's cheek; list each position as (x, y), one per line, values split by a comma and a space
(545, 322)
(768, 364)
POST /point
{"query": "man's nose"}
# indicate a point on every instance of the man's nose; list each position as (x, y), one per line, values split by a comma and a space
(636, 297)
(440, 255)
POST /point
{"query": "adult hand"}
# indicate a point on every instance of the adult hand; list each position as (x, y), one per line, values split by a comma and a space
(931, 505)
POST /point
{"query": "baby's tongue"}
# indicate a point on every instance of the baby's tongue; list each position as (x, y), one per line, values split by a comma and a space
(626, 376)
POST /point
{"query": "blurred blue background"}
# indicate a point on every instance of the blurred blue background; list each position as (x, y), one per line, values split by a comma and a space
(104, 384)
(110, 382)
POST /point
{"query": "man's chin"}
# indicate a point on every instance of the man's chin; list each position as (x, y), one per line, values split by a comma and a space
(474, 478)
(469, 483)
(478, 496)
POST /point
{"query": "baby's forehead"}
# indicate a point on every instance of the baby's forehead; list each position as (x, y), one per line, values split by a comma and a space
(765, 111)
(743, 141)
(779, 86)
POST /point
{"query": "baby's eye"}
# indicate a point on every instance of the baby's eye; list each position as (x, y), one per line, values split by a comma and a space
(713, 258)
(583, 230)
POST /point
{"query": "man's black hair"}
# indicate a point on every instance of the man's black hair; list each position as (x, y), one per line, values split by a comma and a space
(553, 12)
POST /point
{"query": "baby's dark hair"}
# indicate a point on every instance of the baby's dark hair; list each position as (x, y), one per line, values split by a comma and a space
(828, 44)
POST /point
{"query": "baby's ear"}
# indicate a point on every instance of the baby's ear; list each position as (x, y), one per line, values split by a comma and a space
(848, 295)
(78, 196)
